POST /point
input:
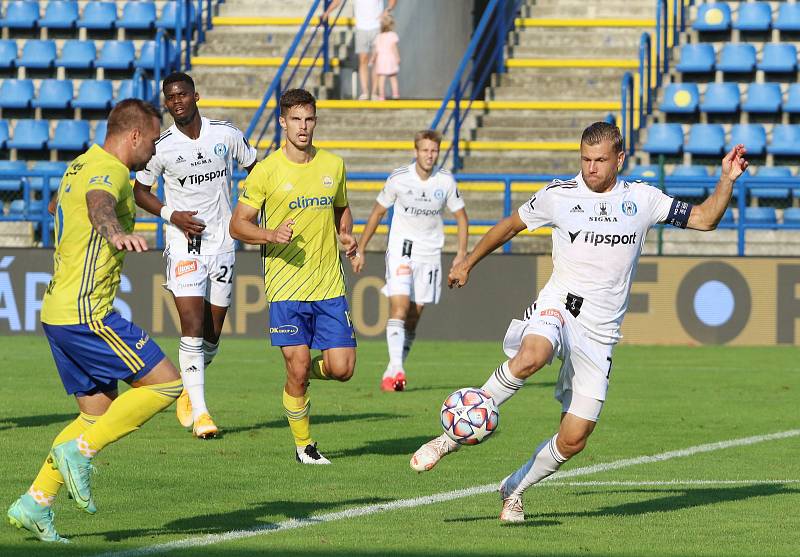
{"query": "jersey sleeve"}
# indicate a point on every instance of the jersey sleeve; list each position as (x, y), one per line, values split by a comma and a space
(538, 210)
(454, 200)
(340, 199)
(388, 195)
(110, 180)
(254, 190)
(151, 172)
(665, 209)
(241, 150)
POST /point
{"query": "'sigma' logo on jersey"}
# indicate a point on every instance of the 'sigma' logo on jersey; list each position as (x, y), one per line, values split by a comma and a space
(603, 211)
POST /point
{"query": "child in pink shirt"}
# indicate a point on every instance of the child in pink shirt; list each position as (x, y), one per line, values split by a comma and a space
(386, 59)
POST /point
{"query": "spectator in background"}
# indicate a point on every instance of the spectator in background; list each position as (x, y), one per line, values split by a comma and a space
(368, 15)
(386, 60)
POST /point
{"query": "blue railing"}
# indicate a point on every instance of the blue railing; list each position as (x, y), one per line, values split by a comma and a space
(263, 121)
(484, 54)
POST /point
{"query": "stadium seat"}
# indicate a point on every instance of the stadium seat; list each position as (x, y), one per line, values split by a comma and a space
(791, 215)
(94, 95)
(147, 55)
(788, 18)
(100, 132)
(169, 16)
(3, 133)
(664, 139)
(680, 98)
(737, 58)
(116, 55)
(54, 94)
(706, 139)
(714, 16)
(792, 103)
(36, 182)
(771, 190)
(29, 134)
(763, 98)
(77, 55)
(727, 217)
(16, 93)
(21, 15)
(753, 16)
(70, 135)
(772, 171)
(138, 15)
(16, 207)
(785, 141)
(760, 215)
(697, 58)
(646, 171)
(778, 58)
(60, 14)
(691, 170)
(8, 53)
(125, 90)
(98, 15)
(38, 54)
(720, 98)
(12, 184)
(752, 136)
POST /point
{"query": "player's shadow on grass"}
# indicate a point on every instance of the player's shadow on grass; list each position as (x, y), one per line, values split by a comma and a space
(34, 421)
(384, 447)
(250, 518)
(317, 419)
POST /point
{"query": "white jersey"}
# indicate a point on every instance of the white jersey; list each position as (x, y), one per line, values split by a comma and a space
(367, 14)
(597, 241)
(198, 177)
(417, 228)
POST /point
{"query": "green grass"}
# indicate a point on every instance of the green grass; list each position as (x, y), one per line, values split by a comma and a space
(160, 484)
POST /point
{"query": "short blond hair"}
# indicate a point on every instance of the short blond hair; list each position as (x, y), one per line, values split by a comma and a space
(431, 135)
(603, 131)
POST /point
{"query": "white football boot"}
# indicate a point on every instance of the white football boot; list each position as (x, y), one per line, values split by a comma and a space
(432, 452)
(512, 506)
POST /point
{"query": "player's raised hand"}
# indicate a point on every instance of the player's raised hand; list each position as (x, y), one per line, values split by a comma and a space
(734, 164)
(189, 225)
(129, 242)
(358, 261)
(459, 275)
(283, 234)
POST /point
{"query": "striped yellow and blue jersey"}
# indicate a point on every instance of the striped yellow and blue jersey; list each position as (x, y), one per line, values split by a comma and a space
(308, 268)
(86, 268)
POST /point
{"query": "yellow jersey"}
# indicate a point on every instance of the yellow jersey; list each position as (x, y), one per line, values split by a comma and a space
(86, 268)
(308, 268)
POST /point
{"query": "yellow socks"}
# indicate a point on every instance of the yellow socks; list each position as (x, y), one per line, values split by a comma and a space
(297, 413)
(128, 412)
(48, 481)
(318, 369)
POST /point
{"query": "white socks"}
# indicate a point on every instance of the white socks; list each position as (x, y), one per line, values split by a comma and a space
(502, 385)
(190, 357)
(395, 339)
(545, 461)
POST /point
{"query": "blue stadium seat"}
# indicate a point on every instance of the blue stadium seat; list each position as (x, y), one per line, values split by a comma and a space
(645, 171)
(94, 95)
(37, 182)
(664, 139)
(760, 215)
(752, 136)
(697, 58)
(680, 98)
(147, 56)
(60, 14)
(706, 139)
(70, 135)
(16, 93)
(169, 16)
(788, 18)
(753, 16)
(21, 15)
(3, 133)
(100, 132)
(791, 215)
(737, 58)
(792, 102)
(785, 141)
(16, 207)
(125, 90)
(727, 217)
(38, 54)
(771, 171)
(77, 55)
(778, 58)
(54, 94)
(29, 134)
(689, 170)
(116, 55)
(8, 53)
(12, 184)
(138, 15)
(99, 15)
(720, 98)
(763, 98)
(766, 190)
(714, 16)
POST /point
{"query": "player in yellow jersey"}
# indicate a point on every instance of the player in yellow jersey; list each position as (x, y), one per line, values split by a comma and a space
(299, 195)
(92, 345)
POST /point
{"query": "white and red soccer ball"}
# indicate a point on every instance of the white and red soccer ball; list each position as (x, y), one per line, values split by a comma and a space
(469, 416)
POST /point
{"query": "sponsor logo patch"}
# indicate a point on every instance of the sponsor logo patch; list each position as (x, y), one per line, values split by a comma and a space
(629, 208)
(327, 182)
(220, 149)
(185, 267)
(303, 202)
(552, 313)
(284, 330)
(403, 270)
(438, 194)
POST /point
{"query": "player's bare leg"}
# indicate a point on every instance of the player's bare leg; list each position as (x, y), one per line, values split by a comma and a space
(394, 377)
(296, 403)
(363, 75)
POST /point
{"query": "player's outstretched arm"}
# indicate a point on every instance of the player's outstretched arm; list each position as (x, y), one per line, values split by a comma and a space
(375, 217)
(498, 235)
(462, 221)
(707, 215)
(344, 227)
(244, 227)
(184, 220)
(102, 208)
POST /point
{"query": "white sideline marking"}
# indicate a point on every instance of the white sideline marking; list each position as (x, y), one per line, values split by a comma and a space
(294, 523)
(665, 483)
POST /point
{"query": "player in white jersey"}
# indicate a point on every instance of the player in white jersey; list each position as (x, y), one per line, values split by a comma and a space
(599, 225)
(419, 193)
(196, 157)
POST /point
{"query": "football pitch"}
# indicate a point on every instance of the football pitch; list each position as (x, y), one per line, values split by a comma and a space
(723, 424)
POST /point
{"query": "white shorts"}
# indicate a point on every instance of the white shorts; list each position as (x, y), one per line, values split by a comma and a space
(585, 362)
(421, 281)
(210, 276)
(365, 40)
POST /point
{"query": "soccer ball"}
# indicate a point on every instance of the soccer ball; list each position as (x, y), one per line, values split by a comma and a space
(469, 416)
